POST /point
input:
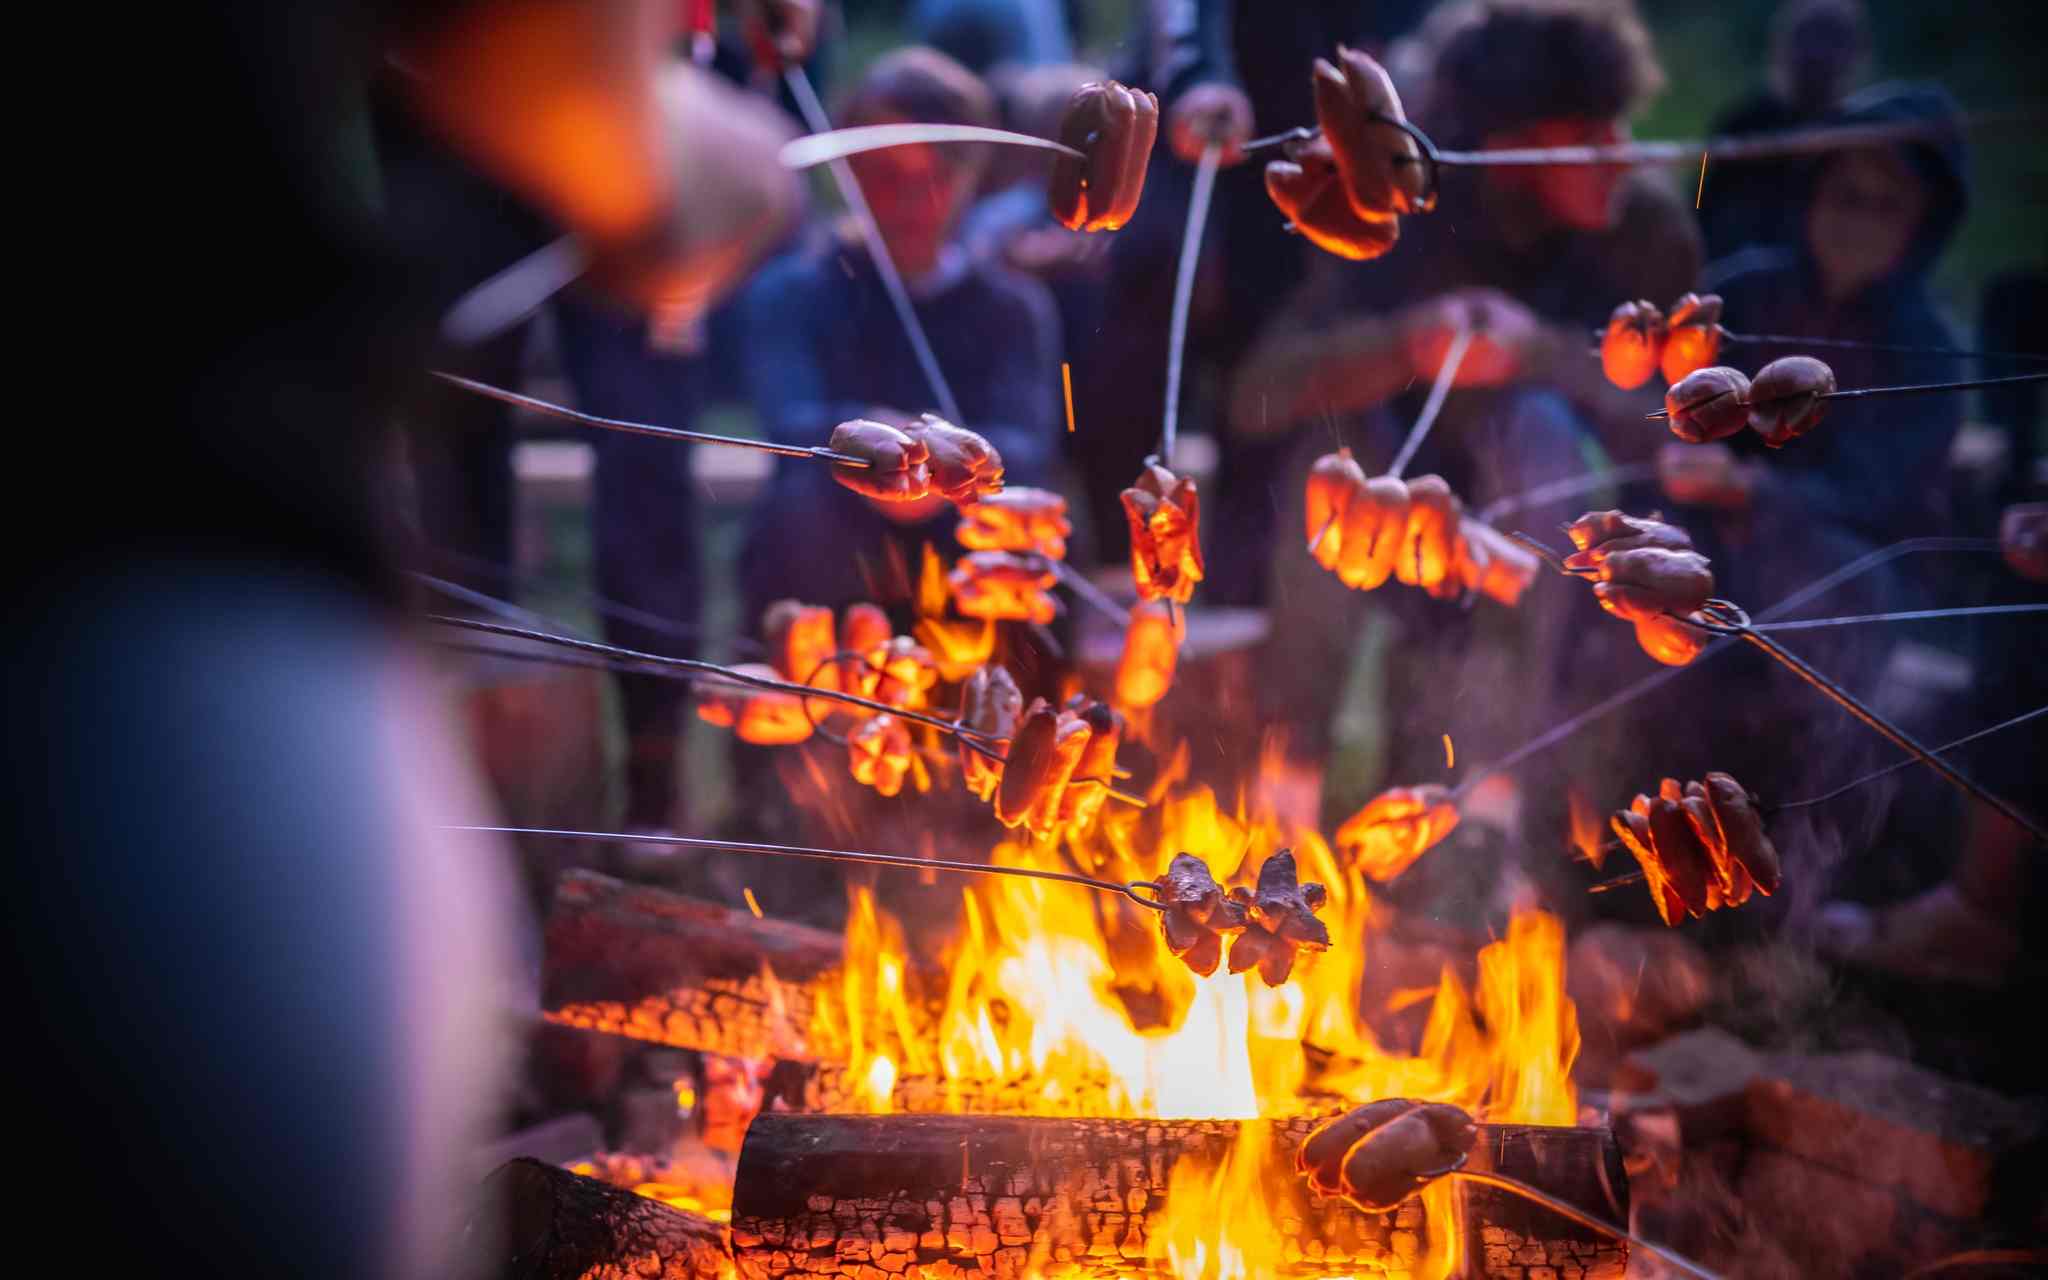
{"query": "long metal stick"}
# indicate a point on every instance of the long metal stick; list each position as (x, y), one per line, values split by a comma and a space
(1569, 487)
(1657, 679)
(974, 740)
(1585, 1219)
(1857, 344)
(1907, 615)
(830, 145)
(1918, 388)
(1090, 594)
(817, 453)
(878, 249)
(1129, 889)
(1789, 142)
(1446, 374)
(1184, 290)
(514, 293)
(1890, 732)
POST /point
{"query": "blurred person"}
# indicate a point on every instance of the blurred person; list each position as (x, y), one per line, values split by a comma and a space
(1818, 50)
(1876, 221)
(1224, 71)
(265, 992)
(1531, 259)
(823, 345)
(983, 35)
(623, 363)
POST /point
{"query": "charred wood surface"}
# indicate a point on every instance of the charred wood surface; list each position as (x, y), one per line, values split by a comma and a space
(660, 966)
(541, 1222)
(954, 1196)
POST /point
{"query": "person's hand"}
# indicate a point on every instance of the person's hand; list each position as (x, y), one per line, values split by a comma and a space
(728, 201)
(1505, 335)
(1206, 113)
(780, 33)
(1703, 475)
(2023, 534)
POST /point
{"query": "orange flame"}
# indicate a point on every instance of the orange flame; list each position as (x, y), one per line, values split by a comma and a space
(1051, 1001)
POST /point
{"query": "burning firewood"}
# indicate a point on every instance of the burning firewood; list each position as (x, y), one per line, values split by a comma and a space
(1004, 586)
(1198, 914)
(1165, 515)
(1379, 1154)
(1281, 921)
(1396, 827)
(1701, 846)
(1114, 127)
(1017, 519)
(540, 1222)
(930, 1196)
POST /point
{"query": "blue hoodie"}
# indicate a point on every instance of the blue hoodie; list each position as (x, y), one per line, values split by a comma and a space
(1875, 468)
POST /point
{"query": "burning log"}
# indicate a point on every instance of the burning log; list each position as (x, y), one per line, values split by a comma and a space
(546, 1223)
(656, 965)
(951, 1196)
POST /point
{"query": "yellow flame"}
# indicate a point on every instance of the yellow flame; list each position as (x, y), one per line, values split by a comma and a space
(1052, 1001)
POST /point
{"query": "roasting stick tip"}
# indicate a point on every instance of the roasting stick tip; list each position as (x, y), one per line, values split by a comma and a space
(1446, 374)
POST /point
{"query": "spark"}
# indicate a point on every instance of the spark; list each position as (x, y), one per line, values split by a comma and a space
(1701, 193)
(1067, 382)
(753, 904)
(1450, 753)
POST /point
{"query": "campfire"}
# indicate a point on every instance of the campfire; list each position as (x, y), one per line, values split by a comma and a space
(1059, 1096)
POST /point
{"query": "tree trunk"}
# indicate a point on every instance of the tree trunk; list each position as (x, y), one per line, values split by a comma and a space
(656, 965)
(950, 1196)
(541, 1222)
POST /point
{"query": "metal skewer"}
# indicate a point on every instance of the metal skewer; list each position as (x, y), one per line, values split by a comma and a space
(1920, 388)
(871, 233)
(1184, 290)
(816, 453)
(837, 144)
(1129, 889)
(1726, 619)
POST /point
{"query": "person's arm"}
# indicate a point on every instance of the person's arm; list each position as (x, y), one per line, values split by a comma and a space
(667, 175)
(1312, 359)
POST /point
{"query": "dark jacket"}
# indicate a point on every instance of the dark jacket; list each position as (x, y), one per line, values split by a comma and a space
(822, 345)
(1874, 467)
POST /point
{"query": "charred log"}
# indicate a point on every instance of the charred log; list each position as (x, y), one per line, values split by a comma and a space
(541, 1222)
(656, 965)
(950, 1196)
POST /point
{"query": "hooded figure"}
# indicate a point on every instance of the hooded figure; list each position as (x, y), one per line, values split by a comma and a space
(1875, 222)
